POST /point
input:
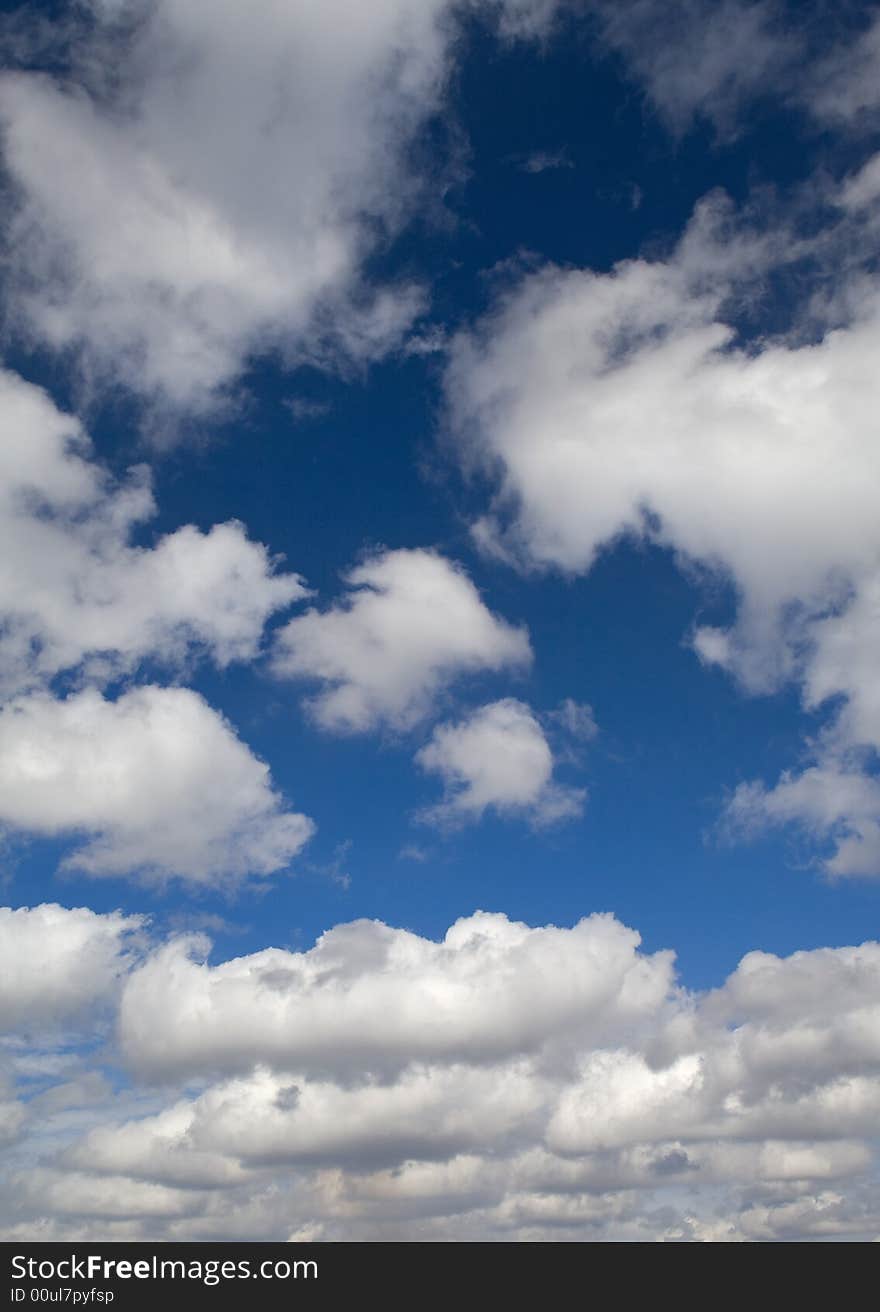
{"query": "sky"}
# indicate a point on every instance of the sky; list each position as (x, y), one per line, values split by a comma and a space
(439, 606)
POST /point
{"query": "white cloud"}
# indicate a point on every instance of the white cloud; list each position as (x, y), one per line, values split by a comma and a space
(158, 781)
(217, 196)
(71, 583)
(57, 964)
(558, 382)
(507, 1082)
(718, 59)
(369, 998)
(845, 86)
(412, 622)
(835, 798)
(703, 57)
(834, 803)
(621, 403)
(497, 758)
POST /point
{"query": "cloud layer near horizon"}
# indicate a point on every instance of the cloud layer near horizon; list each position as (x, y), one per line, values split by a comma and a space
(519, 1082)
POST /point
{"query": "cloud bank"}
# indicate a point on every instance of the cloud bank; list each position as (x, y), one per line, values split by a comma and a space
(506, 1082)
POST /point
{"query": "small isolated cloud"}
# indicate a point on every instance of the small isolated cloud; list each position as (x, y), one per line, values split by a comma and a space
(540, 161)
(411, 623)
(303, 410)
(412, 852)
(157, 780)
(575, 719)
(497, 759)
(335, 870)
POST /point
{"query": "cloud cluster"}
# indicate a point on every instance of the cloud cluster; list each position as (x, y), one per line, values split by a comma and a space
(623, 404)
(505, 1083)
(156, 779)
(498, 758)
(411, 623)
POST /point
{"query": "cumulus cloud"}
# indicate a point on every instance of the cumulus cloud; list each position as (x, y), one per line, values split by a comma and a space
(57, 965)
(506, 1082)
(498, 758)
(71, 584)
(411, 623)
(370, 998)
(553, 388)
(219, 194)
(157, 780)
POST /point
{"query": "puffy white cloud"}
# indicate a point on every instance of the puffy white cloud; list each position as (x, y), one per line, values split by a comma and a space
(370, 998)
(57, 964)
(411, 623)
(498, 758)
(425, 1114)
(217, 196)
(505, 1083)
(621, 403)
(158, 780)
(71, 584)
(611, 401)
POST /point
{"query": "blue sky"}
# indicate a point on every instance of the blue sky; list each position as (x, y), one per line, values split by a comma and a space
(524, 351)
